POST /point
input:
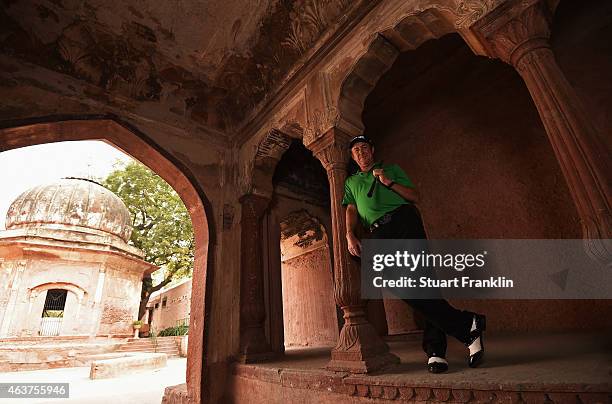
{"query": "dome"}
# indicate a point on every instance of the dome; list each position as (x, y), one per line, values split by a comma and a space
(72, 202)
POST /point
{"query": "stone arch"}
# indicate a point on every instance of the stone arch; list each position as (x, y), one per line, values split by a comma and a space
(412, 31)
(271, 147)
(302, 229)
(74, 303)
(268, 153)
(110, 128)
(76, 290)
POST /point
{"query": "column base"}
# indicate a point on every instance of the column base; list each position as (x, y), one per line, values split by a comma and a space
(360, 349)
(257, 357)
(254, 346)
(363, 366)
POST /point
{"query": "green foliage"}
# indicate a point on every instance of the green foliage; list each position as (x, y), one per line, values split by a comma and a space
(162, 226)
(174, 331)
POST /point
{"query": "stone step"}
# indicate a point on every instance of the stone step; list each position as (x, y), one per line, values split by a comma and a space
(147, 349)
(131, 348)
(140, 344)
(151, 342)
(169, 354)
(150, 339)
(167, 345)
(125, 349)
(149, 345)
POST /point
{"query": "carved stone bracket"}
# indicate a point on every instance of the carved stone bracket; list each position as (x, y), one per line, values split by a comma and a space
(518, 33)
(359, 348)
(254, 346)
(470, 11)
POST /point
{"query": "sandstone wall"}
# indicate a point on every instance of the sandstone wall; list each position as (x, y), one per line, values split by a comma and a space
(177, 308)
(466, 131)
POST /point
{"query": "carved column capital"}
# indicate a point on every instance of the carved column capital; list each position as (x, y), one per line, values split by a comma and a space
(253, 206)
(515, 29)
(518, 33)
(332, 149)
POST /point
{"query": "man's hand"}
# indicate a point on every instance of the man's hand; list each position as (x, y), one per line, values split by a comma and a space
(380, 174)
(354, 245)
(409, 194)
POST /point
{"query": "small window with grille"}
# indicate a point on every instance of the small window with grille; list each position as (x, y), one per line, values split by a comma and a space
(53, 312)
(55, 303)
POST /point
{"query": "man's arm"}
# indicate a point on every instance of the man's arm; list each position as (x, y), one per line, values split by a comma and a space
(352, 218)
(408, 193)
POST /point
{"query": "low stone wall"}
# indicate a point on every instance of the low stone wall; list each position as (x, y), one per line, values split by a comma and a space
(183, 342)
(176, 394)
(107, 368)
(251, 384)
(36, 355)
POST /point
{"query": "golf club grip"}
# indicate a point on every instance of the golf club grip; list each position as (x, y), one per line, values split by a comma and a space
(371, 191)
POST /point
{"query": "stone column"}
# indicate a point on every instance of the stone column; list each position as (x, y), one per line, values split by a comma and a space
(518, 33)
(359, 348)
(18, 268)
(254, 346)
(274, 287)
(96, 304)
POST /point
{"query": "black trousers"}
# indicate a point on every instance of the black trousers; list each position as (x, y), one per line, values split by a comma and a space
(441, 318)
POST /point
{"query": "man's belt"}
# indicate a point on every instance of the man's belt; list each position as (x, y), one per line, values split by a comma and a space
(384, 219)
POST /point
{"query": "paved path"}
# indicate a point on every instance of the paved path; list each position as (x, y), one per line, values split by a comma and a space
(144, 387)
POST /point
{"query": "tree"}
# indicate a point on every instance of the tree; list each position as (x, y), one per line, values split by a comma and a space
(162, 225)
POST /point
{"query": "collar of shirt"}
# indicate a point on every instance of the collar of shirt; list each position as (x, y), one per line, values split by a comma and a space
(369, 172)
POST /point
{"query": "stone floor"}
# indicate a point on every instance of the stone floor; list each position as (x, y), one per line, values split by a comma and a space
(143, 387)
(538, 368)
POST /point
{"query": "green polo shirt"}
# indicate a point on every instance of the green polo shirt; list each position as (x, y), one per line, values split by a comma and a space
(383, 200)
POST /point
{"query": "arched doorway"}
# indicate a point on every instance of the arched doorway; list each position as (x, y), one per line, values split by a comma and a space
(308, 298)
(301, 309)
(15, 134)
(467, 132)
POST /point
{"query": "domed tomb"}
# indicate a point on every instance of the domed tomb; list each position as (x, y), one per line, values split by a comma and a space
(66, 267)
(71, 202)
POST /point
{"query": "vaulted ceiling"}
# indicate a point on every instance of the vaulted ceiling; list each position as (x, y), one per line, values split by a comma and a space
(210, 61)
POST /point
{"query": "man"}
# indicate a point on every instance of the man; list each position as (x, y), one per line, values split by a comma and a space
(388, 210)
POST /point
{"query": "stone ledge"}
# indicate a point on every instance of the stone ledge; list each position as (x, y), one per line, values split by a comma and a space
(176, 394)
(342, 387)
(107, 368)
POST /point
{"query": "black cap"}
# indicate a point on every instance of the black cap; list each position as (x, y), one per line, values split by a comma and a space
(360, 139)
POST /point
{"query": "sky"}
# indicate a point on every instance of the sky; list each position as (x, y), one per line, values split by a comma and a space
(26, 167)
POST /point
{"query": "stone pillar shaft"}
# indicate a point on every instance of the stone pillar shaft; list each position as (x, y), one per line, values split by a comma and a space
(359, 348)
(520, 37)
(18, 268)
(254, 346)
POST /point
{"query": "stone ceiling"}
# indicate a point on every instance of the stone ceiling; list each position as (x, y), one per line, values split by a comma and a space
(210, 61)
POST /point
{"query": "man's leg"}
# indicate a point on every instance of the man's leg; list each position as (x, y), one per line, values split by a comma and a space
(434, 345)
(434, 341)
(442, 315)
(466, 326)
